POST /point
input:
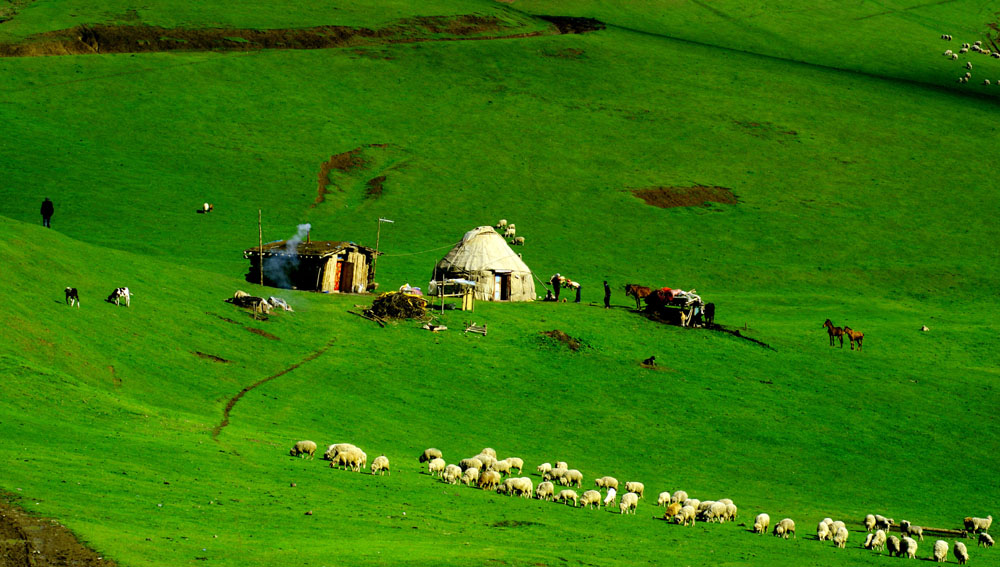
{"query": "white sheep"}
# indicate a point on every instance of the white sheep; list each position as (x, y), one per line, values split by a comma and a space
(908, 546)
(986, 81)
(870, 522)
(470, 476)
(995, 55)
(878, 541)
(715, 513)
(731, 512)
(672, 510)
(561, 465)
(784, 527)
(516, 463)
(502, 467)
(628, 503)
(545, 490)
(607, 482)
(572, 477)
(868, 541)
(883, 523)
(544, 468)
(908, 529)
(430, 454)
(436, 465)
(489, 451)
(963, 50)
(471, 463)
(591, 499)
(663, 499)
(380, 465)
(307, 448)
(823, 531)
(452, 474)
(523, 487)
(489, 480)
(679, 496)
(518, 241)
(502, 223)
(836, 526)
(692, 502)
(840, 538)
(556, 474)
(566, 495)
(954, 56)
(687, 514)
(940, 551)
(333, 450)
(974, 525)
(893, 544)
(510, 231)
(637, 487)
(703, 506)
(761, 523)
(489, 463)
(948, 53)
(354, 459)
(961, 553)
(985, 540)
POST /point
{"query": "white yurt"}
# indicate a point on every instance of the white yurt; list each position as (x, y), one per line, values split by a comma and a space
(484, 257)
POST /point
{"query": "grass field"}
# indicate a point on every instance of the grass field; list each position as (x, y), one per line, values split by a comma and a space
(862, 176)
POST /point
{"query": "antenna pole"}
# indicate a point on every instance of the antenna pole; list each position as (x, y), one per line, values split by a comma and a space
(260, 249)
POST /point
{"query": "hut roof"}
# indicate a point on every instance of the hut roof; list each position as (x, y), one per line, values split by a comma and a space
(314, 249)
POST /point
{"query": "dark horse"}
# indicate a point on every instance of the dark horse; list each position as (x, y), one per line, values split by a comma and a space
(854, 336)
(709, 316)
(834, 332)
(638, 292)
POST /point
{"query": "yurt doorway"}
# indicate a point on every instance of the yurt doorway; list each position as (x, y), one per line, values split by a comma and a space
(501, 285)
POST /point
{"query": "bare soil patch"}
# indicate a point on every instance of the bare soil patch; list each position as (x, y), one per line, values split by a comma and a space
(570, 24)
(373, 189)
(698, 195)
(210, 357)
(263, 333)
(573, 344)
(32, 541)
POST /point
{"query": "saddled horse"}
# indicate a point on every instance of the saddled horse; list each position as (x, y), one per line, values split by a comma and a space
(834, 332)
(854, 336)
(639, 292)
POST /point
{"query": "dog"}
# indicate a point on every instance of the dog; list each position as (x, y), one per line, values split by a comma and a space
(118, 295)
(72, 297)
(651, 361)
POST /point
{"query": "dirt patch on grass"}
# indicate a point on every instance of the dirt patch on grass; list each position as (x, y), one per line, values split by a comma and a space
(573, 344)
(32, 541)
(344, 162)
(767, 130)
(567, 53)
(262, 333)
(514, 524)
(210, 357)
(103, 38)
(698, 195)
(570, 24)
(373, 189)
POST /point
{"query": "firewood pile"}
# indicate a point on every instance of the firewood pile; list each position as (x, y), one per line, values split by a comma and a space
(396, 305)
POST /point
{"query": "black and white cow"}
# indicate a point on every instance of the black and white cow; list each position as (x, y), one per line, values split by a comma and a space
(118, 295)
(72, 297)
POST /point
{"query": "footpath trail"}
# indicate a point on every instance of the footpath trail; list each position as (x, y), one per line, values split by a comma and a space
(232, 401)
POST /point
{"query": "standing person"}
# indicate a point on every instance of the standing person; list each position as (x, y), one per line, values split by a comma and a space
(607, 295)
(556, 282)
(47, 209)
(578, 288)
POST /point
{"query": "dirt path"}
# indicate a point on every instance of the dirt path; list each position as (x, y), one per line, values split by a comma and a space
(232, 401)
(32, 541)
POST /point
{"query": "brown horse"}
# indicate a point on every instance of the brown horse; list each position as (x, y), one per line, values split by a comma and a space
(834, 332)
(638, 292)
(854, 336)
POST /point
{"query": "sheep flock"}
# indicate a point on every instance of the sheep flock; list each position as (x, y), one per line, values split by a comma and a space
(487, 472)
(970, 50)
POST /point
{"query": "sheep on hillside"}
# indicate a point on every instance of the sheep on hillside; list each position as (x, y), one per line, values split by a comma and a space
(380, 465)
(436, 466)
(607, 482)
(524, 487)
(692, 502)
(908, 529)
(470, 476)
(663, 499)
(518, 241)
(307, 448)
(974, 525)
(510, 231)
(502, 467)
(355, 459)
(686, 515)
(452, 474)
(544, 468)
(333, 450)
(430, 454)
(716, 512)
(840, 538)
(502, 223)
(940, 551)
(545, 490)
(591, 499)
(883, 523)
(556, 474)
(679, 496)
(785, 527)
(908, 546)
(823, 531)
(961, 553)
(489, 480)
(489, 451)
(637, 487)
(561, 465)
(761, 523)
(516, 463)
(572, 477)
(876, 541)
(672, 510)
(870, 522)
(893, 546)
(628, 503)
(985, 540)
(567, 495)
(471, 463)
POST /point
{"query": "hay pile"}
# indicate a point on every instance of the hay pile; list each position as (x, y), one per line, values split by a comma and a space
(396, 305)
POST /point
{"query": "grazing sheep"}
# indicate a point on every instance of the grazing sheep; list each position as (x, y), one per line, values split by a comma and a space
(986, 81)
(908, 529)
(948, 53)
(307, 448)
(995, 55)
(868, 541)
(908, 546)
(380, 465)
(545, 490)
(430, 454)
(985, 540)
(607, 482)
(893, 544)
(629, 501)
(974, 525)
(516, 463)
(544, 468)
(556, 474)
(437, 465)
(333, 450)
(672, 510)
(663, 499)
(870, 522)
(471, 463)
(510, 231)
(940, 551)
(523, 487)
(692, 502)
(561, 465)
(954, 56)
(637, 487)
(963, 50)
(878, 541)
(567, 495)
(823, 531)
(502, 223)
(591, 499)
(785, 527)
(489, 451)
(702, 506)
(679, 496)
(687, 514)
(836, 526)
(961, 553)
(452, 474)
(731, 512)
(883, 523)
(489, 463)
(761, 523)
(354, 459)
(489, 480)
(519, 241)
(715, 513)
(840, 538)
(470, 476)
(572, 477)
(502, 467)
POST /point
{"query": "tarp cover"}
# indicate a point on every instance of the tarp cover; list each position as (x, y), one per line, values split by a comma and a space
(482, 254)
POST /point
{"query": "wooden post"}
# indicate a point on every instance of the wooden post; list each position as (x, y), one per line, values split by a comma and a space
(260, 248)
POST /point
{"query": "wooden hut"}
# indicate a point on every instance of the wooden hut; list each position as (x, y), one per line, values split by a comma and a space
(312, 265)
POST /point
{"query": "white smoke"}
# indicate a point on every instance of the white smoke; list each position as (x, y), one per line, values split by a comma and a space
(278, 266)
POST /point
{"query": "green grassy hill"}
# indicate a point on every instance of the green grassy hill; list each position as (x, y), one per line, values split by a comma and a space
(863, 196)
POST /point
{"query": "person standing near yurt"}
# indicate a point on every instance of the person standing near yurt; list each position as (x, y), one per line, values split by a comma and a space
(556, 282)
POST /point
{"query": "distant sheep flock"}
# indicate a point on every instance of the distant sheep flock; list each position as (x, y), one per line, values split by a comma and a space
(487, 472)
(975, 47)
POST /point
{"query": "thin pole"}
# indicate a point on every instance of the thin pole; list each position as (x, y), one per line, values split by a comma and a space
(260, 249)
(378, 234)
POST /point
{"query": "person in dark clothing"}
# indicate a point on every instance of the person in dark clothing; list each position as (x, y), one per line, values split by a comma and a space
(578, 288)
(47, 209)
(556, 282)
(607, 295)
